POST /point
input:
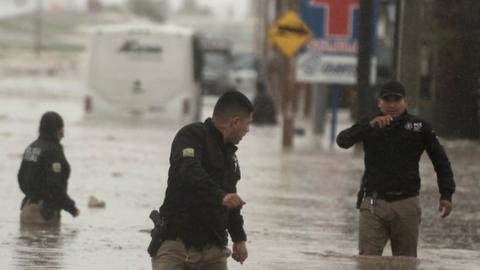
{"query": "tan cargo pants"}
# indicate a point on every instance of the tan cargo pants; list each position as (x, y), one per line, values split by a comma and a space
(30, 214)
(172, 255)
(397, 221)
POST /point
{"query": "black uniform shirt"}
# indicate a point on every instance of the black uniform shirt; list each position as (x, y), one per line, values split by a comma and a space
(392, 155)
(44, 173)
(202, 170)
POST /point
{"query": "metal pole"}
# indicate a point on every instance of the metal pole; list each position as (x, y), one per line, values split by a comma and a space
(335, 92)
(288, 110)
(397, 38)
(289, 92)
(408, 49)
(320, 108)
(365, 48)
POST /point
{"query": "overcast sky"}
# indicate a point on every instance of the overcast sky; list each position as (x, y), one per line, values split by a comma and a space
(220, 7)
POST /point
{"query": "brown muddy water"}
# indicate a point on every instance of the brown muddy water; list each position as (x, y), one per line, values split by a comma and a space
(300, 211)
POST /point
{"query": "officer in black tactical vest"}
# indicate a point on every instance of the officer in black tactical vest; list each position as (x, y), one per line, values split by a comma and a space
(201, 202)
(43, 175)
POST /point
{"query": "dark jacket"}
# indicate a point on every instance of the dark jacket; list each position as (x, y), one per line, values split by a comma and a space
(392, 156)
(44, 171)
(202, 170)
(44, 174)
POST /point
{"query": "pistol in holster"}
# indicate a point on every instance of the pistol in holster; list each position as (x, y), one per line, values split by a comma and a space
(360, 195)
(157, 233)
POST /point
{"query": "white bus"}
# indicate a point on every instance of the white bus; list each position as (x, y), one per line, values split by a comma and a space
(143, 71)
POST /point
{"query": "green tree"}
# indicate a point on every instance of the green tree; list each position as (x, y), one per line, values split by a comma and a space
(156, 10)
(191, 7)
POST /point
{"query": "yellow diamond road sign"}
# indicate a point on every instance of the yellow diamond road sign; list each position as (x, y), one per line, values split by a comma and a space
(289, 33)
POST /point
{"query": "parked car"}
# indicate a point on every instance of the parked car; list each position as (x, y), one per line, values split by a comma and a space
(217, 64)
(244, 73)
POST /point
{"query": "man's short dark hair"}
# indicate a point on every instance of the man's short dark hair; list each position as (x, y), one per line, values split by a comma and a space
(232, 103)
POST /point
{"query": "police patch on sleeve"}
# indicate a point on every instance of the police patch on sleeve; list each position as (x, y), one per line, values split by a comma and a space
(188, 152)
(32, 154)
(57, 167)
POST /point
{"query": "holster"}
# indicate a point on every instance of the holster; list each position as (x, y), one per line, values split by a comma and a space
(157, 233)
(359, 198)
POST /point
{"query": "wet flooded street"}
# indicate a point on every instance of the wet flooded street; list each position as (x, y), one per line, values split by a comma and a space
(300, 211)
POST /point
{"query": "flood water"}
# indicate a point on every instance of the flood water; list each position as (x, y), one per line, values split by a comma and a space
(300, 211)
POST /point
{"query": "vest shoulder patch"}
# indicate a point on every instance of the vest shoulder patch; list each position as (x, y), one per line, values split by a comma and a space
(56, 167)
(188, 152)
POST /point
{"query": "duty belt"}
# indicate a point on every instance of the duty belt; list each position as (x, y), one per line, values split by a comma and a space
(391, 195)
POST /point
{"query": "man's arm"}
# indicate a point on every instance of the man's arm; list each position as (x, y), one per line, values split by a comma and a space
(350, 136)
(56, 186)
(235, 226)
(238, 235)
(240, 252)
(441, 164)
(26, 180)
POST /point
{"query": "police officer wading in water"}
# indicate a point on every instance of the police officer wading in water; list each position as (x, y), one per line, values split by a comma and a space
(201, 202)
(43, 175)
(393, 142)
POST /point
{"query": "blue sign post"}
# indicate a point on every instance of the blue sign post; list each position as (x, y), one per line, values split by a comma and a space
(331, 56)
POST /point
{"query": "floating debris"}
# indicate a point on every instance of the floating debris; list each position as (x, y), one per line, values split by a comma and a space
(93, 202)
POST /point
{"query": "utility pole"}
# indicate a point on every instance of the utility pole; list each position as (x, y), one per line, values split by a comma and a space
(38, 28)
(288, 106)
(289, 95)
(261, 38)
(365, 48)
(457, 108)
(408, 48)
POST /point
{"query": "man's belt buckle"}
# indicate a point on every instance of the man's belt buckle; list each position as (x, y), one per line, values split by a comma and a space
(394, 195)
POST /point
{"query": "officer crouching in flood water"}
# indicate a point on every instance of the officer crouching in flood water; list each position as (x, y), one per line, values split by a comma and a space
(43, 175)
(201, 201)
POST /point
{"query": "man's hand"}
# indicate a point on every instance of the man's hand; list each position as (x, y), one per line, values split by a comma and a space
(76, 213)
(445, 207)
(240, 252)
(232, 200)
(381, 121)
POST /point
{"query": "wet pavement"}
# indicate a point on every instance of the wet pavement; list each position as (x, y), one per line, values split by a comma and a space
(300, 211)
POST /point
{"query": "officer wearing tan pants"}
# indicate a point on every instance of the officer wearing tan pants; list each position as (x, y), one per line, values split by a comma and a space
(173, 255)
(397, 221)
(43, 175)
(31, 214)
(393, 142)
(201, 207)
